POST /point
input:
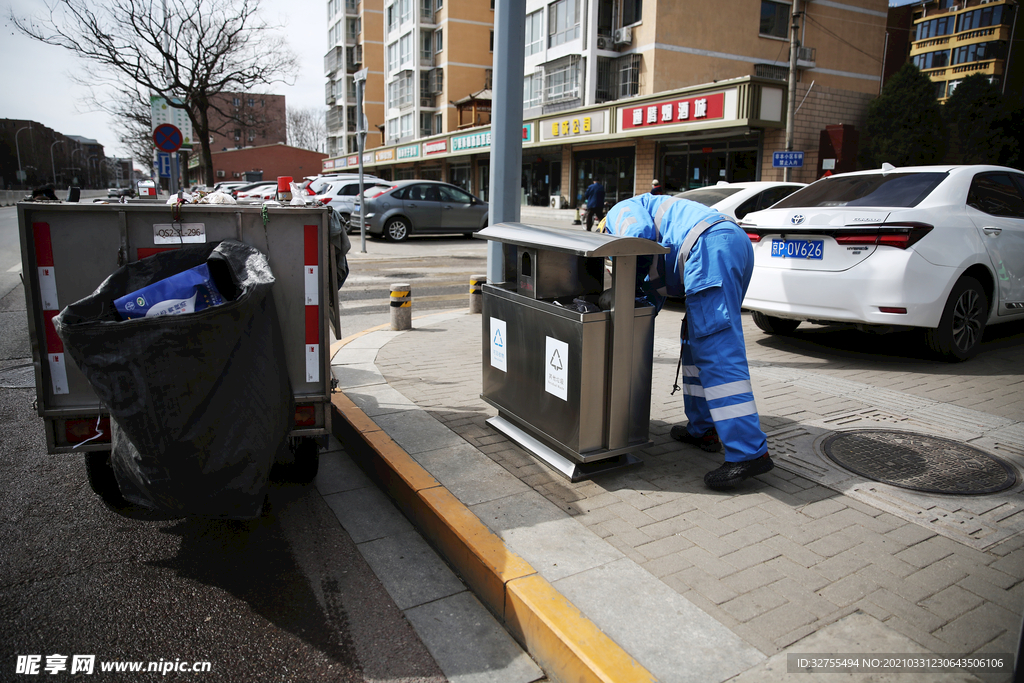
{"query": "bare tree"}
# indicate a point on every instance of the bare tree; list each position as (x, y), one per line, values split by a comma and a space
(307, 128)
(188, 54)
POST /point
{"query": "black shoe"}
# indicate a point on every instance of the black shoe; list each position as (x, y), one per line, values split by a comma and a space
(708, 442)
(732, 473)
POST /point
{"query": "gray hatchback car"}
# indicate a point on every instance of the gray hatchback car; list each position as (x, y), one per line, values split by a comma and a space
(418, 207)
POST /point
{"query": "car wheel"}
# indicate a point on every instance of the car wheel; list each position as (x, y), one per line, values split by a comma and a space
(346, 222)
(396, 230)
(772, 325)
(963, 321)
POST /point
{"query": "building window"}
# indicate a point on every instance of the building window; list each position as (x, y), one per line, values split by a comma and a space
(400, 91)
(236, 101)
(391, 18)
(406, 122)
(438, 40)
(979, 52)
(492, 42)
(392, 57)
(562, 80)
(252, 102)
(632, 11)
(405, 10)
(426, 47)
(943, 26)
(980, 18)
(774, 19)
(405, 50)
(438, 4)
(563, 22)
(533, 90)
(238, 134)
(426, 121)
(534, 37)
(352, 29)
(931, 60)
(628, 75)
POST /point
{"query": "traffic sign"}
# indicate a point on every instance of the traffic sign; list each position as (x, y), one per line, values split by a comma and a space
(163, 164)
(787, 159)
(167, 137)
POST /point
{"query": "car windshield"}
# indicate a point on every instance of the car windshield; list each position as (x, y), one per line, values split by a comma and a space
(709, 196)
(902, 190)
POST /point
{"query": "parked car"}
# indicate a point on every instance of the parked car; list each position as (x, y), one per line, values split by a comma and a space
(934, 247)
(228, 185)
(739, 199)
(252, 190)
(316, 185)
(120, 192)
(343, 195)
(410, 207)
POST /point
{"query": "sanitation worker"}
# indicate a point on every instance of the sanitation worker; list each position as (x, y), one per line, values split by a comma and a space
(710, 262)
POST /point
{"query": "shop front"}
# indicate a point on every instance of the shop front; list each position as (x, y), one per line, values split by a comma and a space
(687, 165)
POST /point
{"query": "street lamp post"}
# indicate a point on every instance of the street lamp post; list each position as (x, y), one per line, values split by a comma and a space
(73, 167)
(17, 148)
(53, 165)
(93, 165)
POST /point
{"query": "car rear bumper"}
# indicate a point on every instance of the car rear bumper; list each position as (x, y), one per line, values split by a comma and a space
(889, 278)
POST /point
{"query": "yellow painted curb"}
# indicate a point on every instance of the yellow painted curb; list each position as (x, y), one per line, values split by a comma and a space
(341, 343)
(568, 646)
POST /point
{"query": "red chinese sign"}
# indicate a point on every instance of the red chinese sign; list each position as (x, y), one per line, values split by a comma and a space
(690, 110)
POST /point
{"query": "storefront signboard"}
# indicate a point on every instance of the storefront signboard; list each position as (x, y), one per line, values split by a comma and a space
(673, 112)
(580, 125)
(435, 147)
(479, 140)
(408, 152)
(385, 155)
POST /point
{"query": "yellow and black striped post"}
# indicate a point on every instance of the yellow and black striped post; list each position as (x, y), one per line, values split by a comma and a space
(476, 291)
(401, 306)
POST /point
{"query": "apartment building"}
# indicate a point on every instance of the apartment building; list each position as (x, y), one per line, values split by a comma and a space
(239, 119)
(952, 39)
(623, 90)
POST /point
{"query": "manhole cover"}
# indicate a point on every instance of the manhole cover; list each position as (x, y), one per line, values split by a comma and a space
(18, 377)
(918, 462)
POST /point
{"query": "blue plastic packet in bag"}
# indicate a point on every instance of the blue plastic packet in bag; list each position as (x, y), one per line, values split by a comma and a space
(188, 292)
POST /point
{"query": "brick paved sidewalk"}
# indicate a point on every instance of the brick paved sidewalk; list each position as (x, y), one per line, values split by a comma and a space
(806, 545)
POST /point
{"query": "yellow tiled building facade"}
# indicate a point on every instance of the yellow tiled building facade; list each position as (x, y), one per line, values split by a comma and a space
(625, 90)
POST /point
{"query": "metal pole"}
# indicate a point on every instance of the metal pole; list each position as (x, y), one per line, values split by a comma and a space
(794, 49)
(53, 165)
(506, 125)
(360, 79)
(17, 148)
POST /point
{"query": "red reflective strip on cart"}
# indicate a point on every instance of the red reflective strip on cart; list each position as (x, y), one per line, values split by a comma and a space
(47, 280)
(310, 276)
(145, 252)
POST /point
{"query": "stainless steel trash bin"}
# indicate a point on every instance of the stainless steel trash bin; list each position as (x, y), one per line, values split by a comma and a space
(572, 388)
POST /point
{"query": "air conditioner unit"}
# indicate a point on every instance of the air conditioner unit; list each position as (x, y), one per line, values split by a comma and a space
(220, 173)
(623, 35)
(556, 202)
(603, 43)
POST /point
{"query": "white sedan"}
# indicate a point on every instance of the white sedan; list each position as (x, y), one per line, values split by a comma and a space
(738, 199)
(934, 247)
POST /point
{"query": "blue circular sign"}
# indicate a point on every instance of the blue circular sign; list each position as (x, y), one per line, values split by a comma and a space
(167, 137)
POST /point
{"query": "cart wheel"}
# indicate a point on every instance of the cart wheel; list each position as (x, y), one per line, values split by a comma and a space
(103, 482)
(305, 466)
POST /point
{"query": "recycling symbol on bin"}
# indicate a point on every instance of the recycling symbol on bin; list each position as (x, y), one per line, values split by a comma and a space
(497, 339)
(556, 361)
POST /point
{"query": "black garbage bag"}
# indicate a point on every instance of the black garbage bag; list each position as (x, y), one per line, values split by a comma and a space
(200, 403)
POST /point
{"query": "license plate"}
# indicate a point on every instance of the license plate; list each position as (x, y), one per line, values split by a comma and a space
(806, 249)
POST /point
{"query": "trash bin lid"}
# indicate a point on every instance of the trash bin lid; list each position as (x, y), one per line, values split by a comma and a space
(576, 242)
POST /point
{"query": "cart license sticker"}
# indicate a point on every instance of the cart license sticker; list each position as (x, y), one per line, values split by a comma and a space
(48, 289)
(179, 233)
(556, 368)
(58, 373)
(312, 362)
(499, 338)
(312, 290)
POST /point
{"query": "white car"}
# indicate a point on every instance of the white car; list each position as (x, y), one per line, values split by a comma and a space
(933, 247)
(738, 199)
(342, 194)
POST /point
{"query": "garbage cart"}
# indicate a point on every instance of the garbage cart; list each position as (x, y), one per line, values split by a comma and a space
(69, 249)
(567, 361)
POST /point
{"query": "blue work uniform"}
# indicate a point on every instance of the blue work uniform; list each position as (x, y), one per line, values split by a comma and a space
(716, 379)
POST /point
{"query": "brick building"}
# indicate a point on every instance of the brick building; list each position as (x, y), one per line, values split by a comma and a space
(270, 160)
(240, 120)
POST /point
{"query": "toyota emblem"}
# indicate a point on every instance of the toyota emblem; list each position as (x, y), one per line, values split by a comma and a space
(797, 219)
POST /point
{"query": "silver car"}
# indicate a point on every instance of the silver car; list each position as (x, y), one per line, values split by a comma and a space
(410, 207)
(343, 195)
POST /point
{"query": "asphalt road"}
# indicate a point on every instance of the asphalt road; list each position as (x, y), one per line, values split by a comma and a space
(286, 597)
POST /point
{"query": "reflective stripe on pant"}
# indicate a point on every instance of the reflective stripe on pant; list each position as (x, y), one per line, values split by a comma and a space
(716, 379)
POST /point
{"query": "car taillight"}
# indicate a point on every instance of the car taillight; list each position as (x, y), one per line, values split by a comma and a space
(899, 235)
(80, 431)
(305, 416)
(754, 237)
(326, 200)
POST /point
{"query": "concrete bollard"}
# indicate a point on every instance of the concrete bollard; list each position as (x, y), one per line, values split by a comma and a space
(476, 291)
(401, 306)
